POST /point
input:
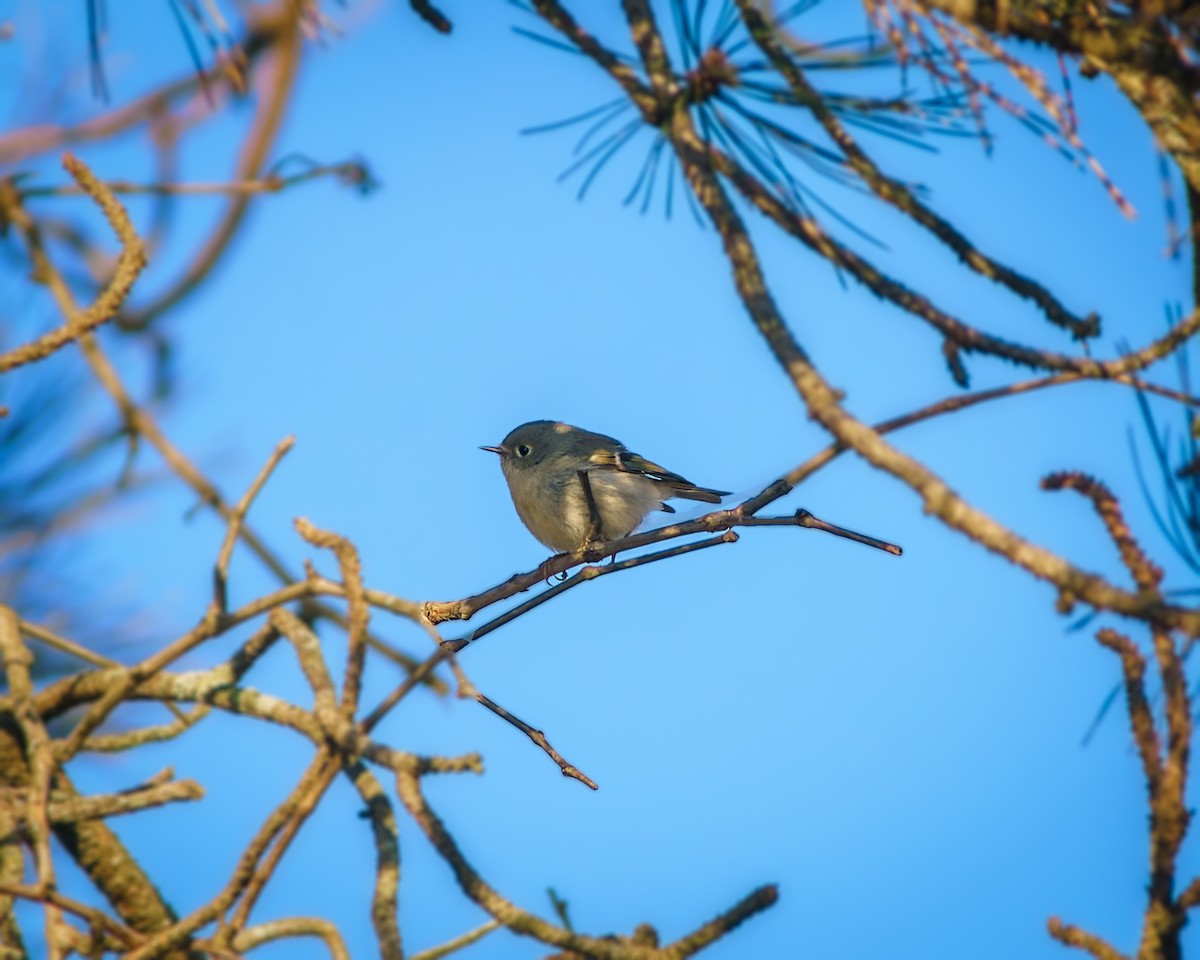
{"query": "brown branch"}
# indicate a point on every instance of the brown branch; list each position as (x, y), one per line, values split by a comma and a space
(408, 788)
(216, 687)
(1140, 51)
(1141, 718)
(439, 611)
(282, 63)
(1190, 898)
(110, 866)
(146, 425)
(458, 943)
(312, 661)
(237, 518)
(265, 27)
(66, 808)
(797, 475)
(359, 621)
(802, 518)
(63, 645)
(1166, 776)
(591, 572)
(568, 769)
(387, 859)
(964, 337)
(130, 264)
(554, 14)
(102, 685)
(353, 173)
(761, 899)
(1169, 813)
(274, 930)
(468, 690)
(464, 609)
(97, 919)
(1073, 936)
(141, 423)
(1146, 575)
(114, 743)
(40, 756)
(824, 404)
(304, 796)
(896, 193)
(12, 873)
(270, 859)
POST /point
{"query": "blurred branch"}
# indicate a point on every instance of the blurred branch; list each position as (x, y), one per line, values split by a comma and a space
(276, 80)
(458, 943)
(274, 930)
(384, 902)
(431, 15)
(141, 424)
(352, 173)
(39, 754)
(266, 26)
(1145, 574)
(237, 518)
(1072, 936)
(739, 913)
(96, 919)
(360, 614)
(63, 809)
(130, 263)
(1165, 771)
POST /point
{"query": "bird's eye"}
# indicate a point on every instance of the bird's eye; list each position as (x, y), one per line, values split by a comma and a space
(523, 450)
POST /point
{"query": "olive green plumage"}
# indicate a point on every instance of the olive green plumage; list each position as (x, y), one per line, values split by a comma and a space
(541, 462)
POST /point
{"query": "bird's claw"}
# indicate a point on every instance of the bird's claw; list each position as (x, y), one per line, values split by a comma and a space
(547, 573)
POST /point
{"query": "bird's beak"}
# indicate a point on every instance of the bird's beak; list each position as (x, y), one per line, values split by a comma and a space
(499, 450)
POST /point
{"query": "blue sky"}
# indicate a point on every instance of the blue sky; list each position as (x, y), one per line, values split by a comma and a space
(895, 742)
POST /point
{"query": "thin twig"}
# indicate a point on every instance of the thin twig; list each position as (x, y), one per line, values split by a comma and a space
(468, 690)
(458, 943)
(1073, 936)
(130, 264)
(287, 927)
(354, 173)
(360, 614)
(236, 519)
(583, 575)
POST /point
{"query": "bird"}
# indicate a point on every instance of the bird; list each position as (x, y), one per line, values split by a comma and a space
(542, 461)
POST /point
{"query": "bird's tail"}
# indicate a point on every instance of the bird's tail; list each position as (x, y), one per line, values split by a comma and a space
(705, 495)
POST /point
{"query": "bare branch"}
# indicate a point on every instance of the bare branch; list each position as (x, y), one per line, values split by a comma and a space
(458, 943)
(1073, 936)
(236, 519)
(130, 264)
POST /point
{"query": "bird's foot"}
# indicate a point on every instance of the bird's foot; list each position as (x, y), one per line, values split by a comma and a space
(547, 572)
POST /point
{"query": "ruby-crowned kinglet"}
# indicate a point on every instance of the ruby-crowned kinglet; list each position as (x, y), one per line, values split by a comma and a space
(542, 461)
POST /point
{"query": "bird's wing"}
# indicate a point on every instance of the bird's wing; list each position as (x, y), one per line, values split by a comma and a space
(638, 464)
(610, 454)
(618, 458)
